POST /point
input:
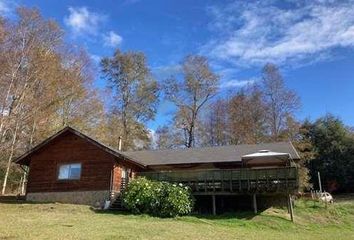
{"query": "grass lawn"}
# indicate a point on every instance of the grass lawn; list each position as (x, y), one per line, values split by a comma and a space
(64, 221)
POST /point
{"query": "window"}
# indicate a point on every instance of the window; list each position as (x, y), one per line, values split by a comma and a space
(69, 171)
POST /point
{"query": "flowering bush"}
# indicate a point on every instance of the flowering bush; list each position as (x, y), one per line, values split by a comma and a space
(157, 198)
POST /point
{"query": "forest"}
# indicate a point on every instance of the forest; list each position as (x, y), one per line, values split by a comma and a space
(47, 83)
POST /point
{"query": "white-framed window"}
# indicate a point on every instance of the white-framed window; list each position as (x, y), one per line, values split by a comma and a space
(69, 171)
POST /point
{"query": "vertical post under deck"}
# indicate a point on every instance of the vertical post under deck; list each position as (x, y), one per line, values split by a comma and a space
(255, 203)
(291, 209)
(214, 204)
(288, 204)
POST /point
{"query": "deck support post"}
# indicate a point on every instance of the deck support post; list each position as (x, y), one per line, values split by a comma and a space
(287, 204)
(214, 204)
(255, 203)
(291, 210)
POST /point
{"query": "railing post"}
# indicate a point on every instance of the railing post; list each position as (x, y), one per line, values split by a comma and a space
(213, 181)
(240, 173)
(248, 180)
(286, 179)
(222, 180)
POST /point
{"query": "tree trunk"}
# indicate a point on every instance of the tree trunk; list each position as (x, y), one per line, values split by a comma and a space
(14, 138)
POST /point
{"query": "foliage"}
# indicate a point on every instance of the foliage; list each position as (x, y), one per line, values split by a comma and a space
(167, 138)
(302, 142)
(259, 112)
(333, 148)
(190, 94)
(247, 116)
(135, 94)
(45, 84)
(157, 198)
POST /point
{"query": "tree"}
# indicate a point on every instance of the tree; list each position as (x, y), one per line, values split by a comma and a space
(280, 101)
(333, 147)
(135, 94)
(197, 86)
(302, 142)
(247, 116)
(216, 124)
(166, 138)
(40, 82)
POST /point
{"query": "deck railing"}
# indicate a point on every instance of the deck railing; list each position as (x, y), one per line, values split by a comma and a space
(272, 180)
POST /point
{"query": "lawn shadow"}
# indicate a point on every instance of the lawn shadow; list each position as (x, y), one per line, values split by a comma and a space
(111, 212)
(22, 202)
(241, 215)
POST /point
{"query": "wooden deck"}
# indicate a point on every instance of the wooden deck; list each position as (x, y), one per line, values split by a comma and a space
(236, 181)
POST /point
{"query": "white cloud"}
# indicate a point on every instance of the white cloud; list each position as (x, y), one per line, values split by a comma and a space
(7, 7)
(112, 39)
(237, 83)
(166, 71)
(95, 58)
(83, 21)
(253, 33)
(153, 137)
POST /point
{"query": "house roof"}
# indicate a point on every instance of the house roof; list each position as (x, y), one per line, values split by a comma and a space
(222, 154)
(232, 153)
(25, 158)
(266, 154)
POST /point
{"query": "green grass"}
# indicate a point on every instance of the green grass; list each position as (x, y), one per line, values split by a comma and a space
(63, 221)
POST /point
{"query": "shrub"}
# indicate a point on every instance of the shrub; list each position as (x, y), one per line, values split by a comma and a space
(157, 198)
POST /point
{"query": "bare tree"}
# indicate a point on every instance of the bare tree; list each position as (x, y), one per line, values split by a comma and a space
(198, 85)
(281, 102)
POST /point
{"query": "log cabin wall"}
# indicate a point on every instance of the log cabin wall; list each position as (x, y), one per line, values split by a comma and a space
(117, 174)
(96, 166)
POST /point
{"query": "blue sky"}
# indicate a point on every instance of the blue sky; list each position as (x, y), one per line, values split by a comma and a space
(311, 41)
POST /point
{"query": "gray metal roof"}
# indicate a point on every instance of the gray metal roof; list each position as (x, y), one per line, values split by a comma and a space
(232, 153)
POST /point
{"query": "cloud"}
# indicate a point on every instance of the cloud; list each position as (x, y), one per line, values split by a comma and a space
(163, 72)
(7, 7)
(83, 21)
(253, 33)
(95, 58)
(237, 83)
(112, 39)
(153, 137)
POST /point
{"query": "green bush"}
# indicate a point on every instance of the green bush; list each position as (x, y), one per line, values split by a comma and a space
(157, 198)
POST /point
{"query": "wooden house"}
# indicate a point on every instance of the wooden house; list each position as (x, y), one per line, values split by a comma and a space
(74, 168)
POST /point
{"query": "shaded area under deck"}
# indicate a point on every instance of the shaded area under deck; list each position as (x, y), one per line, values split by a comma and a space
(219, 191)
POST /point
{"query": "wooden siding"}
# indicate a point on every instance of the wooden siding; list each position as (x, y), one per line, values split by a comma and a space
(96, 166)
(117, 175)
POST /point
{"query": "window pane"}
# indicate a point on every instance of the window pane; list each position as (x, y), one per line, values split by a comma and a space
(75, 171)
(70, 171)
(64, 172)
